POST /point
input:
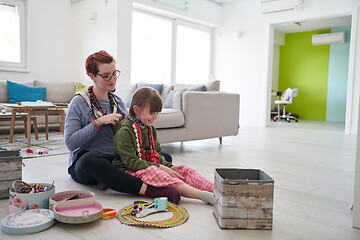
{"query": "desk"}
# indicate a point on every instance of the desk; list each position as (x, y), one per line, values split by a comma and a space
(34, 111)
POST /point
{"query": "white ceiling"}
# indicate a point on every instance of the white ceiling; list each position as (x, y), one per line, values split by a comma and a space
(222, 1)
(312, 25)
(305, 26)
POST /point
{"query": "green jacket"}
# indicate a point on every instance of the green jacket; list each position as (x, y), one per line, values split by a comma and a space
(125, 146)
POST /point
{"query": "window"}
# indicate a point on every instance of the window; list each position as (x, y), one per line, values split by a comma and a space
(192, 55)
(166, 50)
(12, 35)
(151, 49)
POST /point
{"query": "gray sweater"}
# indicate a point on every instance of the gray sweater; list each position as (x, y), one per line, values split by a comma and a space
(82, 135)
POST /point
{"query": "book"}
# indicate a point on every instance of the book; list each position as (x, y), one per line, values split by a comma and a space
(37, 104)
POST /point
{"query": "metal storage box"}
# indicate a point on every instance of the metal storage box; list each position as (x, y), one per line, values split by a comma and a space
(243, 199)
(10, 170)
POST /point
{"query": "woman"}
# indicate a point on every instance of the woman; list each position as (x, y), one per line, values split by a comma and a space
(89, 133)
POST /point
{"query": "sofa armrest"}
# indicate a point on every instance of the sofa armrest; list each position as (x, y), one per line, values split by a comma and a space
(210, 114)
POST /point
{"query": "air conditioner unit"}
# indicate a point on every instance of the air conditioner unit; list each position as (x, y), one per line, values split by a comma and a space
(328, 38)
(273, 6)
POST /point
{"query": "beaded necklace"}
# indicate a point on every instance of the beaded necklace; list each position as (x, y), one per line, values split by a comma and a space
(95, 105)
(135, 120)
(150, 155)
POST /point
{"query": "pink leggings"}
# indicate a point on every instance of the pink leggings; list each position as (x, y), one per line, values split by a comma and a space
(156, 177)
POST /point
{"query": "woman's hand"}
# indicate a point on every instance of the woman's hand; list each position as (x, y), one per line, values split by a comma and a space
(112, 118)
(171, 172)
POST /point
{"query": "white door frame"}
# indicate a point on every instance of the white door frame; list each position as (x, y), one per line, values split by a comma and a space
(352, 101)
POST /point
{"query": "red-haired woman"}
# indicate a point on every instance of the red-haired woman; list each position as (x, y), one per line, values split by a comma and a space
(89, 133)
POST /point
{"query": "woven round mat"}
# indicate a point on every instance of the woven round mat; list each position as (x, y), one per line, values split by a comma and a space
(179, 216)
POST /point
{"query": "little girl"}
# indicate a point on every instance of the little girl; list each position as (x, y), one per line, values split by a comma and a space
(138, 147)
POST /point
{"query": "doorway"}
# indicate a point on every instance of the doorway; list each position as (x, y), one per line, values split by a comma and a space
(322, 90)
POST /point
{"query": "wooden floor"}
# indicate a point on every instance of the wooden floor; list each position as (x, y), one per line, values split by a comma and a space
(312, 164)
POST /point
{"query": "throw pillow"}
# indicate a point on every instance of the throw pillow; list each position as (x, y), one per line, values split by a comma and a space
(213, 86)
(157, 87)
(20, 93)
(80, 88)
(4, 96)
(170, 99)
(197, 88)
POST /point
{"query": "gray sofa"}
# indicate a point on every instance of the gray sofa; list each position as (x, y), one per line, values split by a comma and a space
(55, 92)
(193, 115)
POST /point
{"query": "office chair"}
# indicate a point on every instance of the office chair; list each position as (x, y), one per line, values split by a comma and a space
(286, 98)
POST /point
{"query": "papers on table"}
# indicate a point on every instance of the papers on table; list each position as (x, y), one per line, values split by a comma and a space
(30, 104)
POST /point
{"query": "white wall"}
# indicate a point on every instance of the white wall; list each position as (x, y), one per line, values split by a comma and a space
(50, 42)
(242, 57)
(89, 35)
(279, 40)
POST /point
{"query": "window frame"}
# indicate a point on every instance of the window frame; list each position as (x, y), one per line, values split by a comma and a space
(21, 66)
(178, 21)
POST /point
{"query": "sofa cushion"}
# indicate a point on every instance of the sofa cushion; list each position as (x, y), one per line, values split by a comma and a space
(211, 86)
(170, 118)
(165, 92)
(174, 97)
(3, 89)
(19, 92)
(58, 92)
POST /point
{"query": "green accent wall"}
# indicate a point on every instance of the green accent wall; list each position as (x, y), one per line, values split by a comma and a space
(305, 67)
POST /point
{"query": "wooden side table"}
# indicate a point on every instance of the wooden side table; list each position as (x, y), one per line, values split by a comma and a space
(20, 117)
(35, 111)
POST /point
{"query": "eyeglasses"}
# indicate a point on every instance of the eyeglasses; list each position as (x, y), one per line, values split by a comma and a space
(114, 75)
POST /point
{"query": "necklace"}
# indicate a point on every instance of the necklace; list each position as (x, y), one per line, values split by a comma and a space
(150, 155)
(135, 120)
(179, 216)
(95, 105)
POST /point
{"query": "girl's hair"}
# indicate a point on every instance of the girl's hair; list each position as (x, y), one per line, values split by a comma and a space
(94, 60)
(144, 97)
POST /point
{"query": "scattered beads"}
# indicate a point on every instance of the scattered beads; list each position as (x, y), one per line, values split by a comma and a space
(38, 151)
(34, 188)
(29, 151)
